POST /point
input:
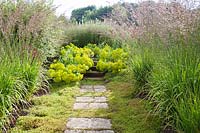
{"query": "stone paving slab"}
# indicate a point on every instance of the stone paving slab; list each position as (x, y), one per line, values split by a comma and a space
(87, 90)
(90, 105)
(87, 87)
(91, 99)
(100, 90)
(93, 88)
(99, 87)
(89, 124)
(89, 131)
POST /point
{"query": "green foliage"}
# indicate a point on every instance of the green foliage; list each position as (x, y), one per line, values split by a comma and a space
(128, 114)
(73, 63)
(95, 33)
(175, 86)
(50, 112)
(28, 31)
(171, 76)
(90, 13)
(20, 76)
(99, 14)
(79, 14)
(111, 60)
(96, 49)
(141, 67)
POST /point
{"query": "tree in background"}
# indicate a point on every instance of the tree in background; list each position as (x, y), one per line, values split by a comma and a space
(78, 14)
(98, 14)
(90, 13)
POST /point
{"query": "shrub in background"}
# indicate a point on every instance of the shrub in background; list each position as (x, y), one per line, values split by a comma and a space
(96, 33)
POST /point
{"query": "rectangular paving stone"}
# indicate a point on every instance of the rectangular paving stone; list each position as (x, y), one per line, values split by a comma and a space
(87, 87)
(89, 131)
(86, 90)
(81, 106)
(100, 99)
(91, 99)
(89, 124)
(99, 88)
(84, 99)
(103, 131)
(90, 105)
(93, 88)
(98, 106)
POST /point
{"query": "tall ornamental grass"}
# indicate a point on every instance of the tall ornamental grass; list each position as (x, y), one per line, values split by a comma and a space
(141, 67)
(169, 73)
(95, 33)
(20, 76)
(175, 87)
(29, 32)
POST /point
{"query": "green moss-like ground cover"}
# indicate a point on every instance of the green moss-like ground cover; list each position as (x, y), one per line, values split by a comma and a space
(49, 113)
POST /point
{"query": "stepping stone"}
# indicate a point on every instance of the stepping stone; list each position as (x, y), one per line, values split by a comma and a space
(89, 124)
(90, 106)
(89, 131)
(100, 99)
(99, 88)
(95, 88)
(87, 88)
(91, 99)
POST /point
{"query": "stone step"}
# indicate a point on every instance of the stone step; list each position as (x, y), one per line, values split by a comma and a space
(94, 78)
(94, 74)
(92, 88)
(93, 68)
(89, 124)
(87, 106)
(91, 99)
(95, 62)
(89, 131)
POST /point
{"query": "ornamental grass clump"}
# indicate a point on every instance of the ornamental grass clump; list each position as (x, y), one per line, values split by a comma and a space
(28, 34)
(20, 76)
(175, 88)
(141, 68)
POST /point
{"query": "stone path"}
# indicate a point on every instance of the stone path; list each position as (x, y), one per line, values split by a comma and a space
(90, 125)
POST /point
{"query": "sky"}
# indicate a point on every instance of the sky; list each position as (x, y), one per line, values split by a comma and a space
(66, 6)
